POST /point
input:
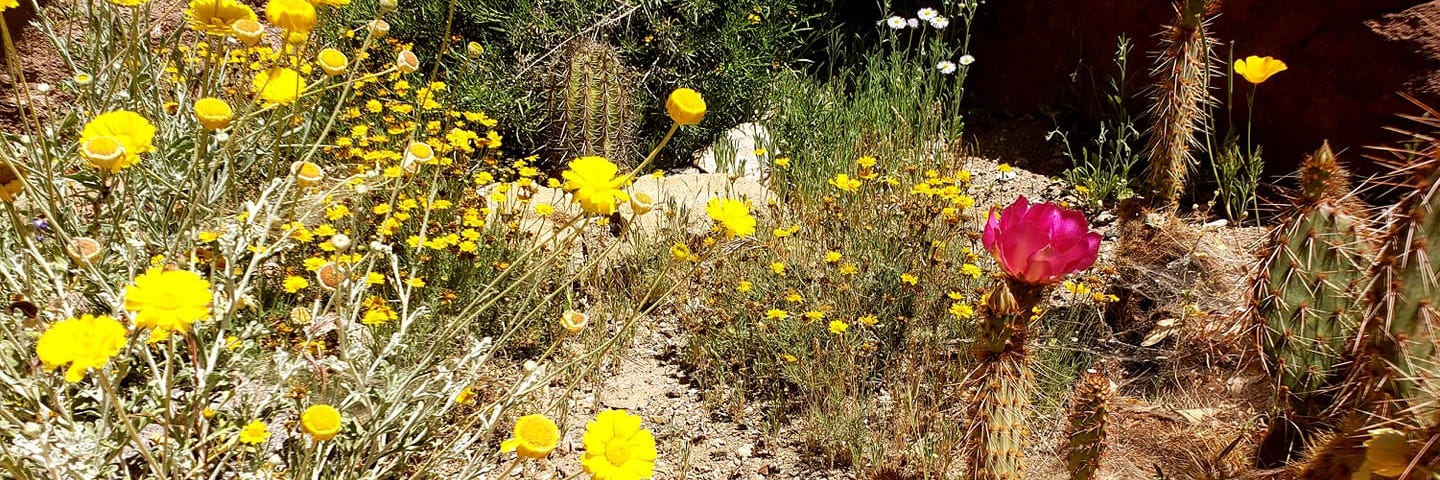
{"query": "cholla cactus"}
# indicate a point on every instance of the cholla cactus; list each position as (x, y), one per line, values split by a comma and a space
(1181, 92)
(1085, 434)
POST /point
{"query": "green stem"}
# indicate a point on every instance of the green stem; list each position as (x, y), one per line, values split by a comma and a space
(125, 421)
(1250, 123)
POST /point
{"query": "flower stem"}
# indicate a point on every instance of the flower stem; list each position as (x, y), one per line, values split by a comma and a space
(509, 468)
(656, 151)
(1250, 123)
(125, 420)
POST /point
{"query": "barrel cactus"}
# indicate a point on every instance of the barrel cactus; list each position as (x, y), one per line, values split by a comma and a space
(591, 105)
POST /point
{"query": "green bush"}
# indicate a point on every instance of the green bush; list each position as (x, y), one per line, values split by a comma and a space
(728, 51)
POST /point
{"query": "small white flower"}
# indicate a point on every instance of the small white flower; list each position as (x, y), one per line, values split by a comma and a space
(43, 88)
(913, 23)
(895, 23)
(946, 67)
(966, 60)
(927, 14)
(940, 22)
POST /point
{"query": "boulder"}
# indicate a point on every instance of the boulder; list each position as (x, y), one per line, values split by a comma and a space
(734, 153)
(680, 200)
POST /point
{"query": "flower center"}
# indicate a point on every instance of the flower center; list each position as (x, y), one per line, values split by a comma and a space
(617, 452)
(103, 148)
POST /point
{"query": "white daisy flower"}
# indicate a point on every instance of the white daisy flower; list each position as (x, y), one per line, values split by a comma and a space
(927, 14)
(967, 60)
(946, 67)
(940, 22)
(895, 23)
(913, 23)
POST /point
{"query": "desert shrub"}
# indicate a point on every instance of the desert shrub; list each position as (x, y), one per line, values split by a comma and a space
(729, 50)
(253, 248)
(867, 277)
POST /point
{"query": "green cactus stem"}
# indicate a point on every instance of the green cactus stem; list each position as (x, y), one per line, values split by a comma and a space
(592, 108)
(1182, 72)
(1307, 297)
(1405, 323)
(1000, 386)
(1085, 434)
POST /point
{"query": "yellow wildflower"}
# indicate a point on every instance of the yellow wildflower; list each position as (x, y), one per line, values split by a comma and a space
(596, 186)
(168, 301)
(733, 215)
(254, 433)
(214, 113)
(115, 140)
(1258, 69)
(217, 17)
(292, 15)
(535, 437)
(686, 106)
(321, 421)
(279, 85)
(83, 343)
(616, 448)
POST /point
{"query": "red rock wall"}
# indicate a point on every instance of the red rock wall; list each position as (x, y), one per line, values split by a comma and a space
(1347, 59)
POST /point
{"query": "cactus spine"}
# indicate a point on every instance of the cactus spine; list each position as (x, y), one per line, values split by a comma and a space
(1180, 96)
(1089, 409)
(592, 107)
(1405, 322)
(1307, 296)
(1397, 376)
(995, 434)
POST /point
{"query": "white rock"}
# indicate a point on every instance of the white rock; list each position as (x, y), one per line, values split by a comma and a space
(680, 200)
(734, 154)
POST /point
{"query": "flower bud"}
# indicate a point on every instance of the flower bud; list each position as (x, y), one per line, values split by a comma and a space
(407, 62)
(341, 242)
(332, 62)
(249, 32)
(378, 28)
(307, 174)
(641, 203)
(1001, 301)
(387, 6)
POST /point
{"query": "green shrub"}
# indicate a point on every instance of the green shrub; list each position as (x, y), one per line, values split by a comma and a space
(727, 50)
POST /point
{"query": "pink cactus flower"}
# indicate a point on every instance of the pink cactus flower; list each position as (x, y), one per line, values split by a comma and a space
(1039, 244)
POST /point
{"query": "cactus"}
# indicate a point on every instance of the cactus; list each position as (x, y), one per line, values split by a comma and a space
(1000, 386)
(1089, 408)
(1179, 97)
(1306, 295)
(591, 105)
(1397, 375)
(1403, 326)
